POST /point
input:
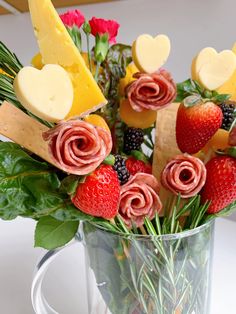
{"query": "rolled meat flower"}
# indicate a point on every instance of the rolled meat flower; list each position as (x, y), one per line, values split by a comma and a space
(139, 199)
(151, 91)
(184, 174)
(78, 147)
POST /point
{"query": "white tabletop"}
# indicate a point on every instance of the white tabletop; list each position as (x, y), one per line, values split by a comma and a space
(65, 282)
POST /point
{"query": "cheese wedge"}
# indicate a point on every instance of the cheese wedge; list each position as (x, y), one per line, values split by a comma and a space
(47, 93)
(57, 47)
(24, 130)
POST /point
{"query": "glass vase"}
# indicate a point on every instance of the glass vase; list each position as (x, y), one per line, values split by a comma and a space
(141, 274)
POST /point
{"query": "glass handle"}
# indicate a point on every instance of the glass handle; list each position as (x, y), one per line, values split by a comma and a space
(39, 302)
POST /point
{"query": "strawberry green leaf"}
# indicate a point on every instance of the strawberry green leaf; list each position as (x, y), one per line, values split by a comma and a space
(139, 155)
(192, 100)
(220, 98)
(231, 151)
(51, 233)
(191, 87)
(109, 160)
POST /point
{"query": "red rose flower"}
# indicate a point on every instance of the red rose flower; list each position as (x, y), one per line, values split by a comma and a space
(101, 27)
(73, 18)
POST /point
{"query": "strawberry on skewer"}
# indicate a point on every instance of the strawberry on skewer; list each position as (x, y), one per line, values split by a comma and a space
(220, 186)
(196, 123)
(99, 194)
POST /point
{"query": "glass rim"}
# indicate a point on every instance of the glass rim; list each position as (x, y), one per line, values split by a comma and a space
(169, 236)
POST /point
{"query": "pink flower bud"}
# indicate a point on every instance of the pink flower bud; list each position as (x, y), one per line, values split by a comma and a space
(73, 18)
(101, 27)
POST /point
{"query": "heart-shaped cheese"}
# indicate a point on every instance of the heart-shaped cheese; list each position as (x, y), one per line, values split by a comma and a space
(149, 53)
(213, 69)
(47, 93)
(204, 57)
(229, 87)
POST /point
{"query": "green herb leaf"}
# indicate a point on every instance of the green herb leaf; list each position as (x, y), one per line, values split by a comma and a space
(223, 213)
(118, 57)
(69, 184)
(51, 233)
(31, 188)
(9, 61)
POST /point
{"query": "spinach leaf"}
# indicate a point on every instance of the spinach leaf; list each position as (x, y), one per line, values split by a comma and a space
(51, 233)
(31, 188)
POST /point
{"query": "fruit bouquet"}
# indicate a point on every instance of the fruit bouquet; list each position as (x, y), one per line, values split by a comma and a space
(105, 140)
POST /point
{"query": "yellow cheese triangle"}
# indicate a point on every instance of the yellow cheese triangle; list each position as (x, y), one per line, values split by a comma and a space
(57, 47)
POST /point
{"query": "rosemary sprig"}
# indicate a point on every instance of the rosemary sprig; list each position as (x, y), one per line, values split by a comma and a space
(9, 61)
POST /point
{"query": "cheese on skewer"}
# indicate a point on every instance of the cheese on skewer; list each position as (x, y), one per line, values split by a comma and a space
(57, 47)
(24, 130)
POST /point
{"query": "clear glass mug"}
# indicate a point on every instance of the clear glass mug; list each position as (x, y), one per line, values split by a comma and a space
(168, 274)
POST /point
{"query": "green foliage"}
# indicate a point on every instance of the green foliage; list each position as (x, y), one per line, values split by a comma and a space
(31, 188)
(51, 233)
(9, 61)
(191, 87)
(114, 68)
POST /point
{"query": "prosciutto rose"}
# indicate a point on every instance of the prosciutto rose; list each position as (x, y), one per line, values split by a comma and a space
(78, 147)
(184, 174)
(139, 198)
(151, 91)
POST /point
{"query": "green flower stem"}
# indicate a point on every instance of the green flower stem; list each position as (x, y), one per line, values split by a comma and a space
(97, 70)
(89, 53)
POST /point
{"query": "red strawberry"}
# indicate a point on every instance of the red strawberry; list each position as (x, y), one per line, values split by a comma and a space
(134, 166)
(195, 125)
(220, 186)
(99, 194)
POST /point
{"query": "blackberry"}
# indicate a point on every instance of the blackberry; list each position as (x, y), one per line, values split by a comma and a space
(120, 168)
(133, 139)
(228, 110)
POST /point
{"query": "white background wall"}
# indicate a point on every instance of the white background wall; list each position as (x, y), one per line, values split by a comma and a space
(191, 25)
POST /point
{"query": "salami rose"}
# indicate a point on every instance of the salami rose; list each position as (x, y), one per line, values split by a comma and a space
(139, 198)
(184, 174)
(78, 147)
(151, 91)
